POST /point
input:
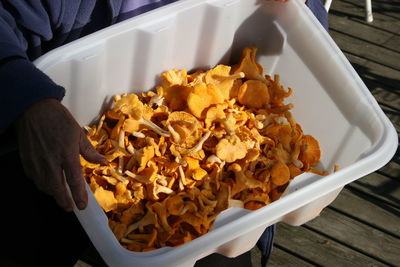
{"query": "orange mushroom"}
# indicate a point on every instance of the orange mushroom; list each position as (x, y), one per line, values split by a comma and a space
(310, 152)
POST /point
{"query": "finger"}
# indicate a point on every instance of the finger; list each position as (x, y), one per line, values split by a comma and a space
(57, 188)
(88, 152)
(76, 182)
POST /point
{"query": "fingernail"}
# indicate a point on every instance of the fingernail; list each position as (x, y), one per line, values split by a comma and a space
(81, 205)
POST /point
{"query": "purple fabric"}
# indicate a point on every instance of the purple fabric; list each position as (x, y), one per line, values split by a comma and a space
(319, 11)
(128, 6)
(266, 243)
(130, 9)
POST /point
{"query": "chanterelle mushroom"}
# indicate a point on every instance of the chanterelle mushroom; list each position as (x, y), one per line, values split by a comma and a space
(230, 149)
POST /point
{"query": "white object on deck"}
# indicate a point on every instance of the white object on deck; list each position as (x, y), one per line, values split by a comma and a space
(328, 5)
(368, 9)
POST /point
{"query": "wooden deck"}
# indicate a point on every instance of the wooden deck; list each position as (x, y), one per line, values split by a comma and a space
(362, 226)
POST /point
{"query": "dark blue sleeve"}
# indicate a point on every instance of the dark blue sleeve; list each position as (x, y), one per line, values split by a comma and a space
(21, 83)
(12, 41)
(319, 11)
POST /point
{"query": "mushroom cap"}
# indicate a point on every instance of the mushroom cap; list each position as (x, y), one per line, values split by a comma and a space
(231, 149)
(253, 94)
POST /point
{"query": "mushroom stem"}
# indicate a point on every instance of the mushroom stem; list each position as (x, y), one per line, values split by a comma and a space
(130, 163)
(154, 127)
(100, 125)
(136, 177)
(182, 180)
(121, 139)
(138, 134)
(175, 135)
(199, 145)
(238, 75)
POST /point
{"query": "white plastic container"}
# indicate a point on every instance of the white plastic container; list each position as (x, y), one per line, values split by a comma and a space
(330, 102)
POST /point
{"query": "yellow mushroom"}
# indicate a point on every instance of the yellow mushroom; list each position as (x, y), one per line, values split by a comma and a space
(122, 194)
(221, 77)
(248, 65)
(129, 104)
(277, 91)
(243, 181)
(201, 97)
(175, 205)
(117, 228)
(253, 94)
(105, 198)
(147, 176)
(310, 152)
(280, 173)
(231, 149)
(214, 114)
(133, 213)
(156, 189)
(162, 216)
(143, 156)
(148, 219)
(174, 77)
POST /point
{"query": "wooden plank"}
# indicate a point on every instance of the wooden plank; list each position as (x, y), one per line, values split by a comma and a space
(355, 234)
(393, 42)
(392, 169)
(393, 115)
(319, 249)
(366, 209)
(374, 74)
(255, 257)
(356, 12)
(379, 186)
(382, 74)
(396, 157)
(366, 50)
(361, 31)
(355, 60)
(388, 8)
(280, 257)
(389, 98)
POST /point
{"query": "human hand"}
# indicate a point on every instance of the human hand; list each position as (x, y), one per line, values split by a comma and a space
(50, 141)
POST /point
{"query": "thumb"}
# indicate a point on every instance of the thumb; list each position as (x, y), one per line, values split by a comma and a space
(88, 152)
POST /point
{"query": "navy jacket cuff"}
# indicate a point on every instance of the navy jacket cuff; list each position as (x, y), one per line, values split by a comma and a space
(22, 85)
